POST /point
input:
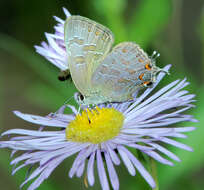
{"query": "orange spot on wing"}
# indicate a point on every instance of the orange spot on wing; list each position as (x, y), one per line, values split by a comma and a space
(131, 71)
(122, 80)
(141, 76)
(146, 82)
(89, 29)
(124, 50)
(97, 33)
(140, 60)
(123, 61)
(148, 66)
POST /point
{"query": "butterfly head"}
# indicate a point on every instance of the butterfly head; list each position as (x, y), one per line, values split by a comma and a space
(79, 98)
(94, 99)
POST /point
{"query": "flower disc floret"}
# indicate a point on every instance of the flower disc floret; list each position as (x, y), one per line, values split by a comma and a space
(95, 126)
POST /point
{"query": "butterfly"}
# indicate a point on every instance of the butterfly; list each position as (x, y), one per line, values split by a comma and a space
(102, 73)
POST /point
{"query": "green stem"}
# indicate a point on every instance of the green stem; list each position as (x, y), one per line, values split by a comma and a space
(154, 172)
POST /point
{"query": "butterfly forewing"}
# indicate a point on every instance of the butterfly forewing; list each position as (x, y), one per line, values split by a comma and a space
(117, 77)
(87, 43)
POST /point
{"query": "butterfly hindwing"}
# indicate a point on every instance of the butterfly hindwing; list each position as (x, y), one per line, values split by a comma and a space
(118, 76)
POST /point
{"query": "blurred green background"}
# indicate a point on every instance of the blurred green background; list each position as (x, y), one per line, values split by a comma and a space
(29, 83)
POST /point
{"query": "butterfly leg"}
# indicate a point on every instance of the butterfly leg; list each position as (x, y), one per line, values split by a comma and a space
(79, 109)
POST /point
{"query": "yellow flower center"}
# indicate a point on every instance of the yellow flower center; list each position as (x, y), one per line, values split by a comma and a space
(95, 126)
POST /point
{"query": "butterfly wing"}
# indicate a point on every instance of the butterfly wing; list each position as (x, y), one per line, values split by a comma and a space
(120, 73)
(87, 43)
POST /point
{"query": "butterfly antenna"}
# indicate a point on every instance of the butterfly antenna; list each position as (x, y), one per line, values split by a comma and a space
(68, 100)
(155, 55)
(79, 109)
(62, 108)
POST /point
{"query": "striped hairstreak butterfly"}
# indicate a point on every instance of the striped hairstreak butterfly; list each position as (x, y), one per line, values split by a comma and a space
(102, 73)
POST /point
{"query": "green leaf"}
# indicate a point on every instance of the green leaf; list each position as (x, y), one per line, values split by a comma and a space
(19, 177)
(113, 11)
(202, 28)
(29, 57)
(1, 101)
(148, 20)
(49, 98)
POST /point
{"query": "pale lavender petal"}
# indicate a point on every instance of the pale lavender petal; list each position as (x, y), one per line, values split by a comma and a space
(80, 158)
(140, 167)
(80, 169)
(12, 153)
(140, 147)
(148, 131)
(113, 155)
(156, 95)
(177, 135)
(90, 169)
(184, 129)
(127, 162)
(69, 151)
(54, 45)
(18, 168)
(52, 122)
(176, 144)
(32, 176)
(64, 117)
(76, 163)
(159, 158)
(73, 109)
(33, 133)
(112, 173)
(47, 171)
(165, 151)
(59, 20)
(101, 171)
(61, 109)
(20, 158)
(67, 13)
(59, 29)
(162, 116)
(49, 53)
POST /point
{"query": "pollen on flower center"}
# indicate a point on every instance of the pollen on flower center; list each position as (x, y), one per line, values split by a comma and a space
(96, 126)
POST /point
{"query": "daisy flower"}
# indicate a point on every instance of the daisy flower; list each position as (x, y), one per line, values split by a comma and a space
(54, 50)
(100, 137)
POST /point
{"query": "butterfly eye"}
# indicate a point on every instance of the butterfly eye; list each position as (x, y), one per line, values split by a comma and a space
(81, 97)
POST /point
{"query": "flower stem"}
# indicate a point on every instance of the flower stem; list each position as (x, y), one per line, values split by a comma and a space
(154, 172)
